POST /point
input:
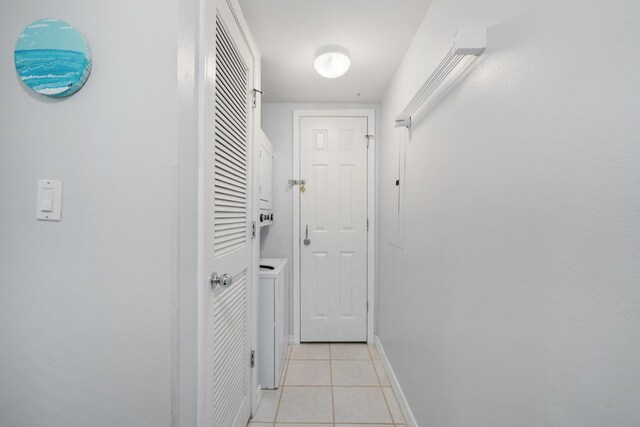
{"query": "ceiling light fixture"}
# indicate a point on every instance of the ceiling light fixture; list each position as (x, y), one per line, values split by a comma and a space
(332, 61)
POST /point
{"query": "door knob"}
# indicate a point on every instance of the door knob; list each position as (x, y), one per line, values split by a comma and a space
(225, 280)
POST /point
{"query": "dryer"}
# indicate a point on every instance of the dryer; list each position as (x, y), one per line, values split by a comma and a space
(265, 166)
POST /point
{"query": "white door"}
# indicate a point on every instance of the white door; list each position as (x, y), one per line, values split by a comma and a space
(333, 222)
(226, 233)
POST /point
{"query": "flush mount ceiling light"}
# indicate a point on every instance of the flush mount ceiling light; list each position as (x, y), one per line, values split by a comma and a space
(332, 61)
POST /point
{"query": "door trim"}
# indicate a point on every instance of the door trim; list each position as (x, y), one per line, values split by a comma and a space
(371, 195)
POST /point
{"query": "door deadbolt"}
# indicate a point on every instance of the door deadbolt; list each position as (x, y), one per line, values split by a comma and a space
(224, 281)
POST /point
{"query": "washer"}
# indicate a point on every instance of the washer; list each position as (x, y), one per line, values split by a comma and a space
(273, 321)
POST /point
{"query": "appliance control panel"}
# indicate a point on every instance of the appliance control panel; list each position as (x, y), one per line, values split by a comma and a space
(266, 217)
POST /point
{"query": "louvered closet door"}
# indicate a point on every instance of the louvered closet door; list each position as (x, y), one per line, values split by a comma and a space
(227, 242)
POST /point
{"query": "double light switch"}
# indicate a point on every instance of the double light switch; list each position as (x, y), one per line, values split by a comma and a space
(49, 200)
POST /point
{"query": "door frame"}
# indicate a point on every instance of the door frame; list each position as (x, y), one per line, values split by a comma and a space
(371, 203)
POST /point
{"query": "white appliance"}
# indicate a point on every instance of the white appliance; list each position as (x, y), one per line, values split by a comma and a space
(273, 321)
(266, 179)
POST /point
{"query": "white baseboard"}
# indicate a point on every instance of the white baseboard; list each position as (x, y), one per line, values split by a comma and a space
(395, 385)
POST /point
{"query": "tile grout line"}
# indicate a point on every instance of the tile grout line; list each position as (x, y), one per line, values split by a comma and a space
(384, 395)
(275, 418)
(374, 366)
(333, 406)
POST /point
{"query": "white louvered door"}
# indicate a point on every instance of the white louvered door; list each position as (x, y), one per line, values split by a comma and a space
(227, 239)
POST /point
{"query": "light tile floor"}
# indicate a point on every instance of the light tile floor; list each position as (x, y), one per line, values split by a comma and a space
(331, 385)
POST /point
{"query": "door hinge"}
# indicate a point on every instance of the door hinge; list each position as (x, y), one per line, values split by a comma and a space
(253, 358)
(253, 230)
(255, 97)
(367, 306)
(367, 224)
(369, 138)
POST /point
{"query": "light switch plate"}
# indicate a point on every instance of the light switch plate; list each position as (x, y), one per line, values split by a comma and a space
(49, 200)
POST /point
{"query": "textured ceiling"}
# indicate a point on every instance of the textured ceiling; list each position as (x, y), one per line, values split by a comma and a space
(289, 32)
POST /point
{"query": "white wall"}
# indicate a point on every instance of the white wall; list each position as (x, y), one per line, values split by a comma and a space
(87, 305)
(190, 72)
(515, 300)
(277, 123)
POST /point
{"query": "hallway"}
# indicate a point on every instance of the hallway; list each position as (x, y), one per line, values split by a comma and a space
(190, 187)
(341, 385)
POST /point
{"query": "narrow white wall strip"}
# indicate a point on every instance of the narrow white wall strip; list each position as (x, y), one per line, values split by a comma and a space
(395, 385)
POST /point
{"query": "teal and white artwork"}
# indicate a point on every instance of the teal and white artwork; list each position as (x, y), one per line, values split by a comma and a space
(52, 58)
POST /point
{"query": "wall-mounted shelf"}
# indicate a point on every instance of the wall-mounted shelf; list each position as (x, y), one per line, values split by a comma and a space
(465, 44)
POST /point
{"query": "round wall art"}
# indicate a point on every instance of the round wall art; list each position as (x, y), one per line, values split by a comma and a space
(52, 58)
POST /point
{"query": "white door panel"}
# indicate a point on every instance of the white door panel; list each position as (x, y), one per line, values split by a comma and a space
(333, 161)
(226, 233)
